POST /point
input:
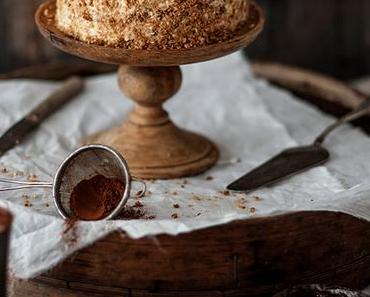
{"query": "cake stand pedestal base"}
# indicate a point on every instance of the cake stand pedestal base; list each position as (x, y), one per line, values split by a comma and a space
(153, 146)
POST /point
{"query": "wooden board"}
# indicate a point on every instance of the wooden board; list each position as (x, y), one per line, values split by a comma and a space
(5, 227)
(246, 258)
(336, 42)
(254, 257)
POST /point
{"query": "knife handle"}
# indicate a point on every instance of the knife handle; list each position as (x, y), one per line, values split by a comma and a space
(72, 87)
(15, 135)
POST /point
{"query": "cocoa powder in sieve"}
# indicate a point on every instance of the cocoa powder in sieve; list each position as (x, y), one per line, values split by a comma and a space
(95, 198)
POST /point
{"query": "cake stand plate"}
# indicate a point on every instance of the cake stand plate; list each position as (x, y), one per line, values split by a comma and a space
(45, 20)
(152, 144)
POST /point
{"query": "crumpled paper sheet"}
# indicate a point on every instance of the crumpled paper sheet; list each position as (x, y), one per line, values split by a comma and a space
(248, 119)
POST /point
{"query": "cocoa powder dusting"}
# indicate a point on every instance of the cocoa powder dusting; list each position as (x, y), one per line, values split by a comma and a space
(70, 232)
(94, 199)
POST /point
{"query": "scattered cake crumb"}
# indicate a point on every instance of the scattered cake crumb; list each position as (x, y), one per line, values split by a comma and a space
(197, 198)
(256, 198)
(209, 178)
(32, 177)
(26, 200)
(252, 210)
(175, 216)
(138, 204)
(242, 206)
(176, 206)
(131, 213)
(19, 173)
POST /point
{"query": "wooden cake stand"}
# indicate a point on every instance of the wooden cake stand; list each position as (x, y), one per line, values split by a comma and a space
(152, 144)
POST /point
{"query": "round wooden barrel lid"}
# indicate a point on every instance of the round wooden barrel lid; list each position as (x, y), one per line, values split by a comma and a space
(259, 256)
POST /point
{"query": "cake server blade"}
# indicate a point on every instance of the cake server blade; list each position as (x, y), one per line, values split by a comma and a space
(287, 163)
(294, 160)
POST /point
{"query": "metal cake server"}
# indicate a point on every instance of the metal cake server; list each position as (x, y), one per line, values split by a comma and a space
(294, 160)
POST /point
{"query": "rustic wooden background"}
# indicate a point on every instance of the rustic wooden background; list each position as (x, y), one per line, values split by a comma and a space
(332, 36)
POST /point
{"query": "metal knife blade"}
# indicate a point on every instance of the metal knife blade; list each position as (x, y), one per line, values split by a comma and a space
(287, 163)
(16, 134)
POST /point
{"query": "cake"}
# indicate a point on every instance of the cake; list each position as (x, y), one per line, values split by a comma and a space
(151, 24)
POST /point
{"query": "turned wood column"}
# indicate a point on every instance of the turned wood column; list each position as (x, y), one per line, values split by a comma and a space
(149, 87)
(152, 144)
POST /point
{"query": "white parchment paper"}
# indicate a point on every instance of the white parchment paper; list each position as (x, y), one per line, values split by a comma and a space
(248, 119)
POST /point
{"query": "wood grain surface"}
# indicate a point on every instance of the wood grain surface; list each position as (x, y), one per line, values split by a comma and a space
(248, 258)
(21, 43)
(331, 36)
(5, 227)
(59, 70)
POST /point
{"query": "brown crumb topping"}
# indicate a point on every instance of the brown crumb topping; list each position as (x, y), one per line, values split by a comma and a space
(152, 24)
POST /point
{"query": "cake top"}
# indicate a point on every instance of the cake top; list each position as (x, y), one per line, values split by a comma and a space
(151, 24)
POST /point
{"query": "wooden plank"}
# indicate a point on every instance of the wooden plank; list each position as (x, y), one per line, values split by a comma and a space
(5, 225)
(272, 252)
(21, 42)
(59, 70)
(330, 36)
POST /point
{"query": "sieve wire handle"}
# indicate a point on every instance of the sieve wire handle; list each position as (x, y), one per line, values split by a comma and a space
(20, 185)
(140, 193)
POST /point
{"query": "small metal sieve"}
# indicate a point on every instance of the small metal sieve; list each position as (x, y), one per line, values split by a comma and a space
(85, 163)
